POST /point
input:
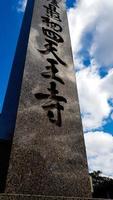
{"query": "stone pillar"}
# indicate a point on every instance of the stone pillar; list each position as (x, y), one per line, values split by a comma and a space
(48, 153)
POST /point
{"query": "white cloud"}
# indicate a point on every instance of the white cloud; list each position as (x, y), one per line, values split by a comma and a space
(21, 5)
(93, 19)
(91, 30)
(96, 17)
(99, 146)
(94, 93)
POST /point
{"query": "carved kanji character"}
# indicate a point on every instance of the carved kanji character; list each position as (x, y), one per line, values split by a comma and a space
(52, 71)
(52, 103)
(52, 35)
(50, 47)
(56, 27)
(52, 12)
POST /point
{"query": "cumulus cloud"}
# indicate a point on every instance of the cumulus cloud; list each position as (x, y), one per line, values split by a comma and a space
(94, 94)
(21, 5)
(93, 18)
(99, 146)
(91, 33)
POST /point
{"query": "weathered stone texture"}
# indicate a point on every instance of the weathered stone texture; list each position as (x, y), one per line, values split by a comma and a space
(32, 197)
(47, 159)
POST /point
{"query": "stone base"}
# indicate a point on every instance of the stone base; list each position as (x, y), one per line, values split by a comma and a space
(36, 197)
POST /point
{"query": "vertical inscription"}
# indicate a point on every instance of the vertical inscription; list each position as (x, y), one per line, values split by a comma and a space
(51, 29)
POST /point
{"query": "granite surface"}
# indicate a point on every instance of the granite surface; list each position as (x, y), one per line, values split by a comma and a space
(32, 197)
(48, 157)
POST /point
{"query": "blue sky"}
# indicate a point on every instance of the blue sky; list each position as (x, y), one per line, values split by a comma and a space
(91, 33)
(70, 3)
(10, 22)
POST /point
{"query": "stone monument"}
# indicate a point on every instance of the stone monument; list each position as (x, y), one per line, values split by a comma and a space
(48, 155)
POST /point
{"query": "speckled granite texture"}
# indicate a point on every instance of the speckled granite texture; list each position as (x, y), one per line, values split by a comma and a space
(32, 197)
(47, 159)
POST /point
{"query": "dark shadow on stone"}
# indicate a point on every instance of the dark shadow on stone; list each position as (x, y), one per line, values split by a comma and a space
(5, 149)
